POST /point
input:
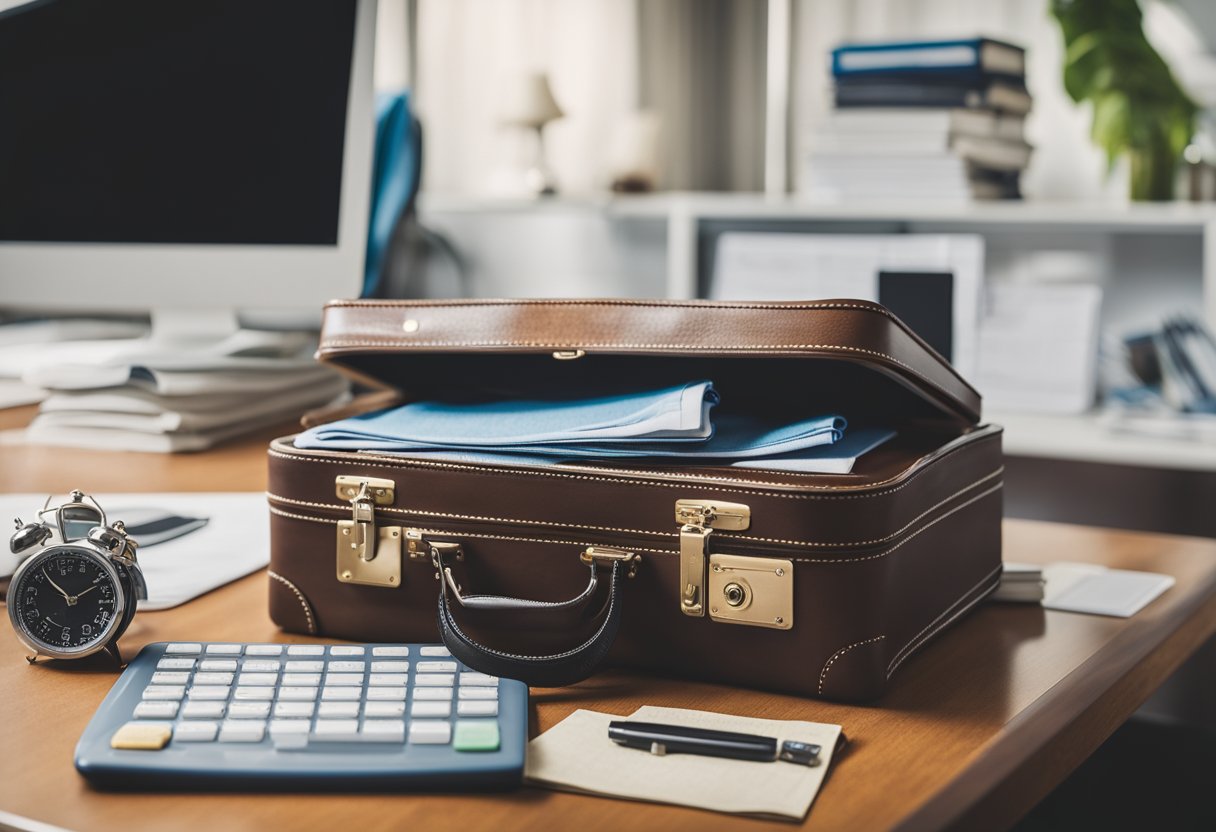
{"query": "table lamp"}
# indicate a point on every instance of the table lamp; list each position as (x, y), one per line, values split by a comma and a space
(529, 103)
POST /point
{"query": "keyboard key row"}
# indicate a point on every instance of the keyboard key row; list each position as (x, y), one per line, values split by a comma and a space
(345, 650)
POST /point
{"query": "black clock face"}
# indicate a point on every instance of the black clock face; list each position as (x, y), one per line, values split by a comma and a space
(66, 600)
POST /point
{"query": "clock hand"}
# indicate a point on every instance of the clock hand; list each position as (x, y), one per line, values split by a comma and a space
(57, 586)
(80, 595)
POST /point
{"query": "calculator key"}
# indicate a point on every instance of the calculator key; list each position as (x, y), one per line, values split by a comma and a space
(341, 694)
(175, 664)
(478, 680)
(264, 650)
(213, 678)
(432, 694)
(378, 709)
(156, 710)
(200, 692)
(295, 679)
(295, 694)
(261, 665)
(289, 726)
(204, 710)
(435, 667)
(477, 707)
(422, 710)
(391, 650)
(477, 693)
(345, 667)
(379, 679)
(170, 677)
(338, 710)
(430, 732)
(304, 667)
(249, 710)
(224, 649)
(306, 650)
(262, 679)
(433, 650)
(253, 694)
(476, 735)
(390, 667)
(336, 730)
(142, 736)
(242, 730)
(396, 694)
(344, 679)
(164, 692)
(382, 730)
(346, 650)
(195, 731)
(433, 680)
(184, 648)
(294, 709)
(220, 665)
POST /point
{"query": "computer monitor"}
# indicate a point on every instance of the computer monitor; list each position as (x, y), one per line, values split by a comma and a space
(187, 156)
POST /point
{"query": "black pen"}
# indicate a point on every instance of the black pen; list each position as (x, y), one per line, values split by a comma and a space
(675, 739)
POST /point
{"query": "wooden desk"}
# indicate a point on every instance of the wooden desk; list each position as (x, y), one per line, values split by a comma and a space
(978, 728)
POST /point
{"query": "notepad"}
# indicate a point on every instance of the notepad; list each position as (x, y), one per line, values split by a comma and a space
(1097, 590)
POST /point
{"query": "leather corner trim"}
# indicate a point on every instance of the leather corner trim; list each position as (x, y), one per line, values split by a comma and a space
(312, 621)
(823, 674)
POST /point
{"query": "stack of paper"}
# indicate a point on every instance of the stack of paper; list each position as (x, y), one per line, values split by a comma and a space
(1021, 582)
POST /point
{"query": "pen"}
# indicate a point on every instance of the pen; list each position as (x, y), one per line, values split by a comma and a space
(676, 739)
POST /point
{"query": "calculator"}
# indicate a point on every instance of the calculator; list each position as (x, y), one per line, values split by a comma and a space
(358, 717)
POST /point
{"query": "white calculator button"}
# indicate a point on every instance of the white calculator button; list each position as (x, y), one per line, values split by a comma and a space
(203, 710)
(435, 667)
(227, 665)
(261, 666)
(383, 730)
(289, 726)
(379, 709)
(306, 650)
(434, 680)
(477, 693)
(242, 730)
(261, 679)
(433, 650)
(175, 664)
(170, 677)
(430, 732)
(213, 678)
(164, 692)
(249, 710)
(156, 710)
(209, 692)
(341, 694)
(344, 679)
(304, 667)
(264, 650)
(252, 694)
(396, 694)
(391, 650)
(294, 709)
(184, 648)
(295, 679)
(345, 650)
(224, 649)
(336, 730)
(338, 710)
(423, 709)
(478, 680)
(390, 667)
(477, 707)
(195, 731)
(379, 679)
(345, 667)
(295, 694)
(432, 694)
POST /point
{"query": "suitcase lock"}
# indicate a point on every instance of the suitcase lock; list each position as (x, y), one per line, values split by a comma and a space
(698, 519)
(365, 554)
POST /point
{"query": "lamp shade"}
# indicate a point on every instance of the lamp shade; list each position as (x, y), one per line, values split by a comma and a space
(528, 101)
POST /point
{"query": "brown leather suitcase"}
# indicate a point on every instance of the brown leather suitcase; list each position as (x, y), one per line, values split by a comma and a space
(816, 584)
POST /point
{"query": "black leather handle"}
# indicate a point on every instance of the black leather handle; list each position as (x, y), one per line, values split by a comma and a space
(552, 670)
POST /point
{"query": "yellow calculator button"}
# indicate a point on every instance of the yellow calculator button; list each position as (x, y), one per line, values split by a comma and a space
(142, 736)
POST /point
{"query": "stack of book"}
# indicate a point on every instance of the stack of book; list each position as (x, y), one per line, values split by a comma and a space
(938, 119)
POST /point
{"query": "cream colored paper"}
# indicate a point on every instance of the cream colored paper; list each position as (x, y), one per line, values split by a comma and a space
(576, 755)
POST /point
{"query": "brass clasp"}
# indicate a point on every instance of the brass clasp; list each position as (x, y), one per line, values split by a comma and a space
(698, 519)
(603, 555)
(366, 555)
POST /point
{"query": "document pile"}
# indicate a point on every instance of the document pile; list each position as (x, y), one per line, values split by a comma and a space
(673, 423)
(140, 396)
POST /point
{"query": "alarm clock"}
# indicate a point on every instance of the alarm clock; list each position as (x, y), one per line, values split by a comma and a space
(76, 594)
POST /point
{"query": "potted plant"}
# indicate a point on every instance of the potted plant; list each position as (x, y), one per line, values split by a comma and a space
(1138, 107)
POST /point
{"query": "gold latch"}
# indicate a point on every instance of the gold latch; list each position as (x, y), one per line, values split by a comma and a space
(365, 555)
(605, 555)
(754, 591)
(698, 519)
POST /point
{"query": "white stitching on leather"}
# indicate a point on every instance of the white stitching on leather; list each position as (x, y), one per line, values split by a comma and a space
(909, 648)
(312, 624)
(823, 674)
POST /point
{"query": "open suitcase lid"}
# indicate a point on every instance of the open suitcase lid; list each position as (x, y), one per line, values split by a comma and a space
(848, 356)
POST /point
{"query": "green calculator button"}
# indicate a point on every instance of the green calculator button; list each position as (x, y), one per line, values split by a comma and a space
(476, 735)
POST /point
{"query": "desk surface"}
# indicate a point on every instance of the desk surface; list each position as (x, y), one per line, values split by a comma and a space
(978, 727)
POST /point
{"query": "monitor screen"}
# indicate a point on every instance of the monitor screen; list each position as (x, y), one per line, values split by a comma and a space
(170, 122)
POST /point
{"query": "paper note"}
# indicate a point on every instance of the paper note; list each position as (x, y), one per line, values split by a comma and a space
(1093, 589)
